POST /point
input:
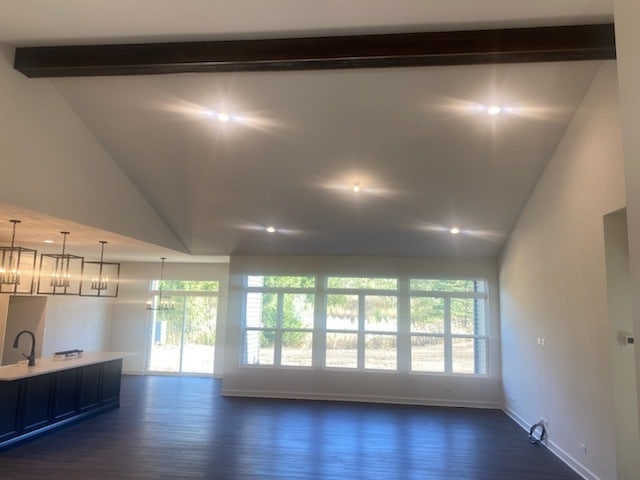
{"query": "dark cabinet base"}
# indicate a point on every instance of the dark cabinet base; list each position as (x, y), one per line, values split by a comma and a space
(32, 406)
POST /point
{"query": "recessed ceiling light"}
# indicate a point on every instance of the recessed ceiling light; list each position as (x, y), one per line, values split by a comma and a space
(455, 231)
(48, 241)
(356, 187)
(494, 110)
(271, 229)
(223, 117)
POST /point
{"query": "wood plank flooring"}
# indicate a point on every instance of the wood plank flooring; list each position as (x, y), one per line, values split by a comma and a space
(180, 427)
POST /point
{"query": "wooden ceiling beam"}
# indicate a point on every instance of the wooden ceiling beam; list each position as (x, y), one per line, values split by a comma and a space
(513, 45)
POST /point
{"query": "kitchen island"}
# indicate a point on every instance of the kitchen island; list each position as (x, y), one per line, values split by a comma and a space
(53, 393)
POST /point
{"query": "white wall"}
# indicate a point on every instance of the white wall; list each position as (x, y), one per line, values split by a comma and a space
(77, 322)
(131, 324)
(25, 313)
(553, 287)
(69, 322)
(394, 387)
(627, 18)
(625, 396)
(44, 143)
(4, 311)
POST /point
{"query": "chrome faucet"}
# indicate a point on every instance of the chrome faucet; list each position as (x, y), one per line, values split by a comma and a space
(32, 356)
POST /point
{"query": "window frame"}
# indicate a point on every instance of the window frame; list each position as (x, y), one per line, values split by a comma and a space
(278, 329)
(154, 293)
(361, 331)
(447, 335)
(403, 333)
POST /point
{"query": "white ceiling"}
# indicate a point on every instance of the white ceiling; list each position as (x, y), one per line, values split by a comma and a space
(427, 158)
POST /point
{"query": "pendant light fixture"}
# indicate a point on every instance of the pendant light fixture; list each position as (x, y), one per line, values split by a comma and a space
(60, 273)
(100, 279)
(18, 266)
(158, 303)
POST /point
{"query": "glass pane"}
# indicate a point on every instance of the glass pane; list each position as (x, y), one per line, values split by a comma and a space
(446, 285)
(279, 281)
(469, 355)
(166, 337)
(262, 309)
(380, 352)
(427, 354)
(363, 283)
(427, 315)
(342, 312)
(259, 347)
(188, 285)
(342, 350)
(381, 313)
(296, 348)
(198, 348)
(462, 316)
(297, 310)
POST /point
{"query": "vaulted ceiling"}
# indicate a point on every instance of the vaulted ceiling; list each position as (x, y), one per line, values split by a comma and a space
(419, 141)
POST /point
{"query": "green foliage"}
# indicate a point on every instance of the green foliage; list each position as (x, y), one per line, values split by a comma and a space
(445, 285)
(297, 313)
(199, 314)
(190, 286)
(363, 283)
(381, 311)
(280, 281)
(427, 314)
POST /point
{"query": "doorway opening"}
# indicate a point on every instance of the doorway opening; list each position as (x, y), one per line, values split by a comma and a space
(183, 338)
(627, 434)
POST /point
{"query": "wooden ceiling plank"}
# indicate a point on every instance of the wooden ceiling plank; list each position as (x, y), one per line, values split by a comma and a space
(515, 45)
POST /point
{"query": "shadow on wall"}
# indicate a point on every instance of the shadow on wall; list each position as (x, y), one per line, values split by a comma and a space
(24, 313)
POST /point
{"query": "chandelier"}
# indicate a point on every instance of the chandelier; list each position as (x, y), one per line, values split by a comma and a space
(60, 273)
(158, 303)
(17, 269)
(100, 279)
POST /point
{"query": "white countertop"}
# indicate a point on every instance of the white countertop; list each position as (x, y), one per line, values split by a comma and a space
(48, 365)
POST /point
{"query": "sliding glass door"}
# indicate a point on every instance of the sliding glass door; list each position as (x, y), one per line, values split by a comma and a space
(183, 337)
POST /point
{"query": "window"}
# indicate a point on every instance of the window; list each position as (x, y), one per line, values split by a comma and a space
(349, 322)
(183, 338)
(279, 313)
(447, 325)
(361, 323)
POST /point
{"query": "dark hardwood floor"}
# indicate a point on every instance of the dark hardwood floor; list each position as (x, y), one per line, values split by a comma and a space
(180, 427)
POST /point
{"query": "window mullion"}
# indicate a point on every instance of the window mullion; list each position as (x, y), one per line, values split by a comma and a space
(318, 351)
(361, 314)
(403, 341)
(277, 340)
(448, 362)
(184, 326)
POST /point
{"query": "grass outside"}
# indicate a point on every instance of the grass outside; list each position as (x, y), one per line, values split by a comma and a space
(199, 358)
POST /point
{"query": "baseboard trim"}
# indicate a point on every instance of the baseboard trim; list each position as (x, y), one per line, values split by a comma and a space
(429, 402)
(574, 464)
